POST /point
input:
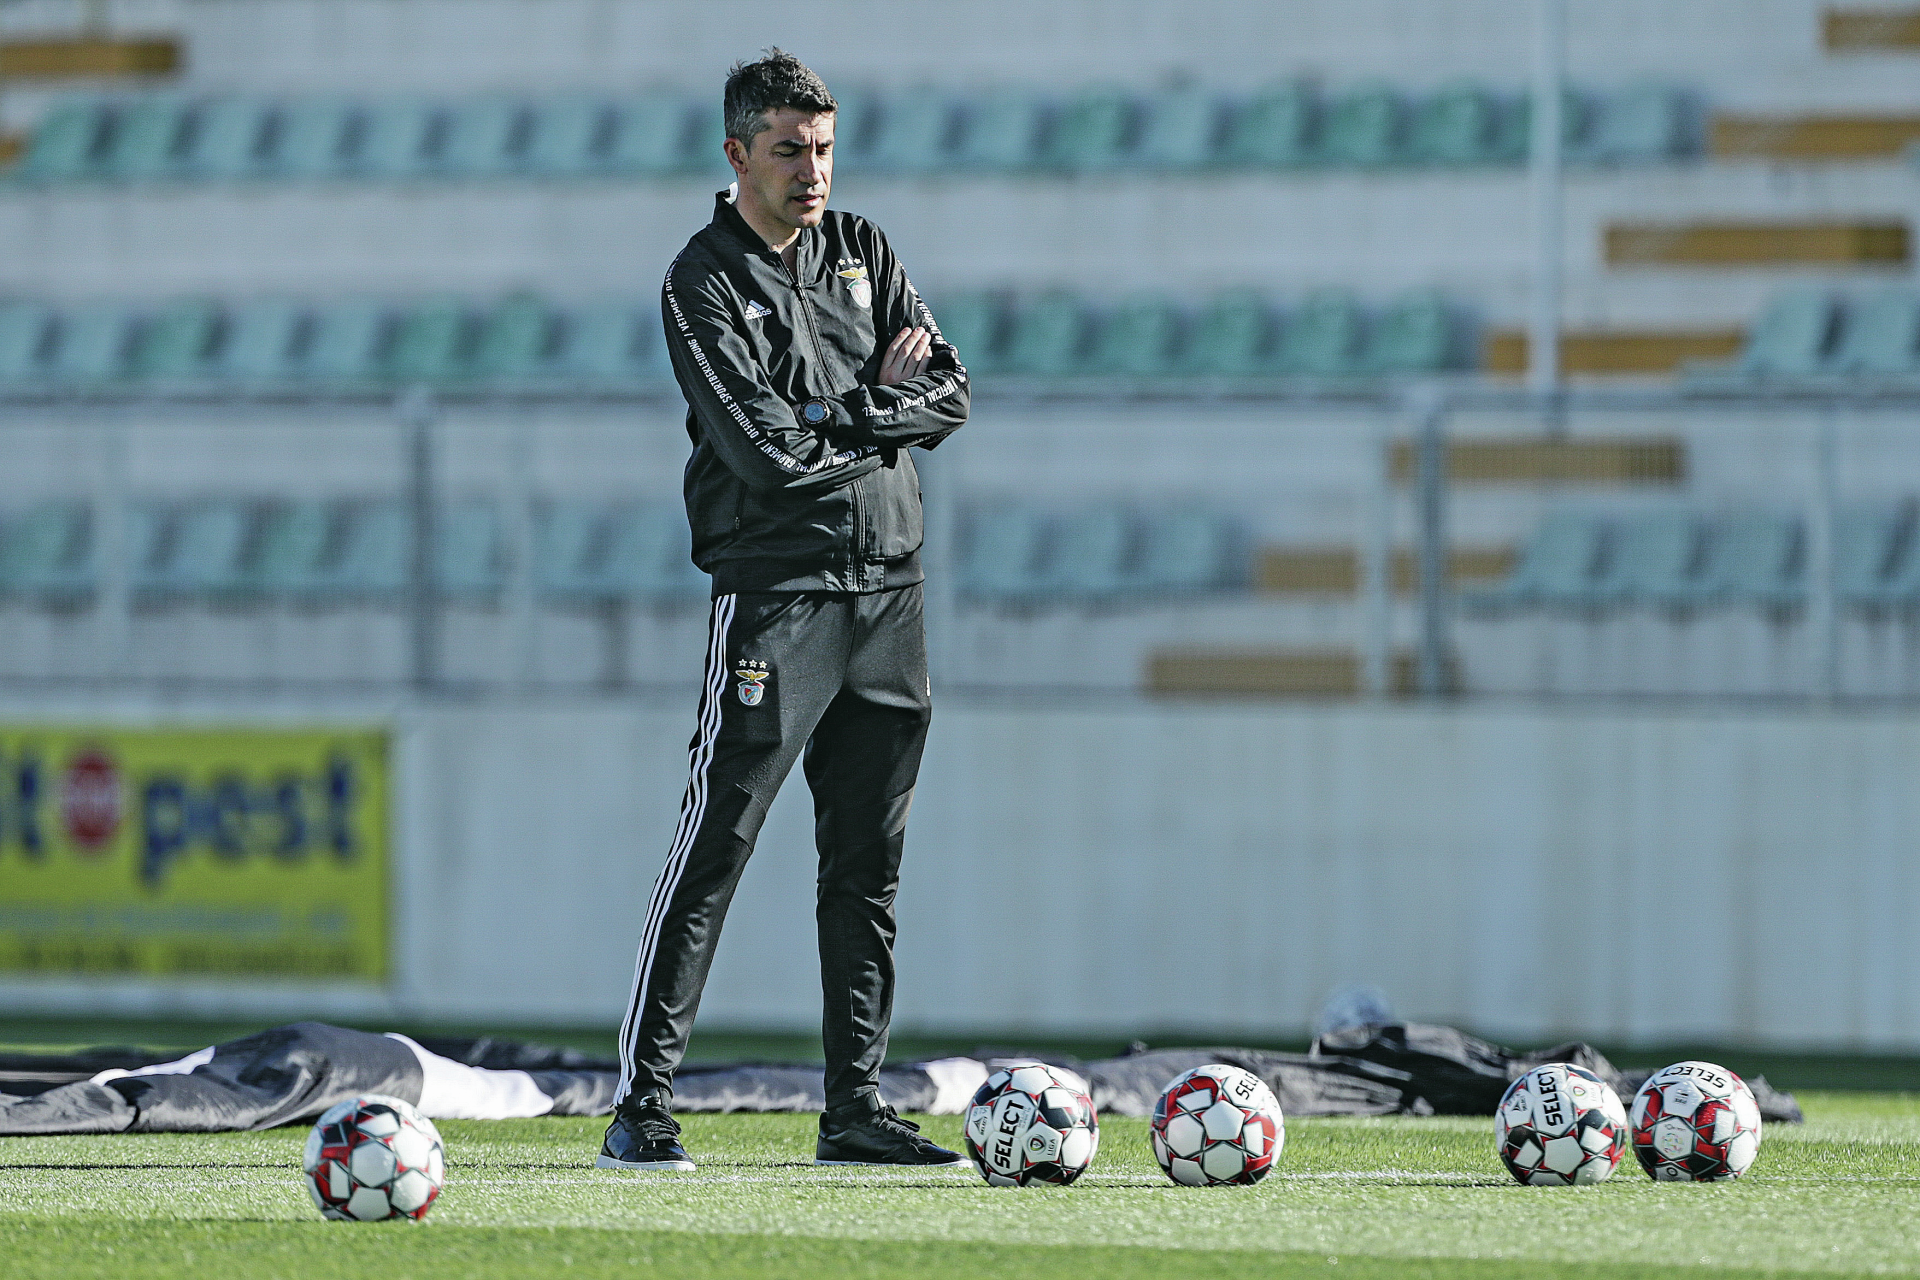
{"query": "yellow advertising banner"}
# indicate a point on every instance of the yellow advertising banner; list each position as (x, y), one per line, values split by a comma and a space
(238, 852)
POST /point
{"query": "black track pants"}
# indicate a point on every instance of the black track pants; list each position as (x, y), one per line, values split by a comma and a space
(845, 677)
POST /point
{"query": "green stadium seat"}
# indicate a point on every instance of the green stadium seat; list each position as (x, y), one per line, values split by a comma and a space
(69, 141)
(147, 139)
(1657, 559)
(1278, 129)
(432, 342)
(517, 341)
(973, 323)
(310, 138)
(1094, 552)
(1880, 335)
(262, 341)
(569, 549)
(1645, 122)
(348, 342)
(1323, 337)
(92, 343)
(1093, 132)
(1793, 336)
(1001, 131)
(653, 135)
(1868, 543)
(177, 343)
(649, 555)
(914, 132)
(487, 139)
(374, 559)
(707, 151)
(1755, 558)
(1181, 129)
(570, 136)
(1233, 336)
(1048, 336)
(396, 139)
(1454, 127)
(617, 342)
(469, 559)
(1418, 333)
(196, 550)
(23, 340)
(1513, 129)
(1365, 126)
(295, 542)
(1560, 565)
(1003, 557)
(854, 129)
(228, 139)
(1139, 338)
(1187, 550)
(46, 552)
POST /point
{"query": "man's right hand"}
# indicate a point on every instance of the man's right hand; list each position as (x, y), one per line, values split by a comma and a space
(907, 356)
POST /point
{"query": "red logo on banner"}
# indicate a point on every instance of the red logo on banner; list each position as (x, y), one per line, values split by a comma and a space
(90, 800)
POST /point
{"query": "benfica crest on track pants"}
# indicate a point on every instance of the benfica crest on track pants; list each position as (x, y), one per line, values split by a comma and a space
(844, 677)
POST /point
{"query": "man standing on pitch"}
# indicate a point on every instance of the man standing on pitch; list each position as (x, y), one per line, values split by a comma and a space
(810, 366)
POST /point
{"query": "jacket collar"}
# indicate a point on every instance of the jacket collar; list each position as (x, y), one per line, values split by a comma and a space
(726, 215)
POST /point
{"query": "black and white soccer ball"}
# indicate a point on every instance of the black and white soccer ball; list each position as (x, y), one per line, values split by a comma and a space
(372, 1158)
(1695, 1122)
(1032, 1123)
(1560, 1126)
(1216, 1126)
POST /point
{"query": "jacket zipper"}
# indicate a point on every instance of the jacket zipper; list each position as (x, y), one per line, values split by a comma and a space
(856, 546)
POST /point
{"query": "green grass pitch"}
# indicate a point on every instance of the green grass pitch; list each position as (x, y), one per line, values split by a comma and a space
(1352, 1198)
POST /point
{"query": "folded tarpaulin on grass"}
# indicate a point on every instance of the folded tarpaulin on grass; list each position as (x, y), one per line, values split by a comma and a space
(293, 1073)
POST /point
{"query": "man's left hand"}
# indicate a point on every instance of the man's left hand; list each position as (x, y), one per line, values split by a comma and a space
(907, 356)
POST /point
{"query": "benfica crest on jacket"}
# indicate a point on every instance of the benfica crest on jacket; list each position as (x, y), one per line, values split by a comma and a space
(753, 681)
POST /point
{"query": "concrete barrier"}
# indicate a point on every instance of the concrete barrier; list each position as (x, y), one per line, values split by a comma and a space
(1136, 867)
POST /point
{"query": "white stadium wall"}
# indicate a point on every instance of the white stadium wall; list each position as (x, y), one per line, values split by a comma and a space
(1216, 869)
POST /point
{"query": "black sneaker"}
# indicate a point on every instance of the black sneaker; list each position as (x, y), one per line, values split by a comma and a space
(871, 1132)
(645, 1137)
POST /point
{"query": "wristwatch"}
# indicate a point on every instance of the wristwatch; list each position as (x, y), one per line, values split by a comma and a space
(815, 411)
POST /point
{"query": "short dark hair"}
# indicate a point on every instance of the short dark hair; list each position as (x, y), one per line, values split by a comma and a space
(775, 80)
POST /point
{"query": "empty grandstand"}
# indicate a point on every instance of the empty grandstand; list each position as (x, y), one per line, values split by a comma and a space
(310, 331)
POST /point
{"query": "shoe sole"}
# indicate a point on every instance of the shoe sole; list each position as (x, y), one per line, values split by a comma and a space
(604, 1161)
(895, 1164)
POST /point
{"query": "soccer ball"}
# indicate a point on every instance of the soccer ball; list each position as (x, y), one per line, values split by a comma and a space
(1217, 1125)
(372, 1158)
(1560, 1126)
(1032, 1123)
(1695, 1122)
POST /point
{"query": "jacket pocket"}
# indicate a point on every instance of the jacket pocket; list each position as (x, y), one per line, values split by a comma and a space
(894, 510)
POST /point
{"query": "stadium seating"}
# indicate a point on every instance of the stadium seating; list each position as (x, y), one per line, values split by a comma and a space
(1366, 128)
(165, 136)
(1681, 559)
(46, 554)
(1106, 554)
(617, 343)
(1813, 337)
(1002, 131)
(1181, 129)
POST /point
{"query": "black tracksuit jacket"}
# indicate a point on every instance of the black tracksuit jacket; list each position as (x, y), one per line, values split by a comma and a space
(800, 479)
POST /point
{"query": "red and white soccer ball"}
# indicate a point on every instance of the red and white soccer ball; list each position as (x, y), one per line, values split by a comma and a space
(1032, 1123)
(1217, 1125)
(372, 1158)
(1560, 1126)
(1695, 1122)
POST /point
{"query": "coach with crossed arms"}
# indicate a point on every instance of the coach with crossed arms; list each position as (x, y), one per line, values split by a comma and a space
(810, 366)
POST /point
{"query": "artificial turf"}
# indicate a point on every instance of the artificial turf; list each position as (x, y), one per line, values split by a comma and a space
(1365, 1198)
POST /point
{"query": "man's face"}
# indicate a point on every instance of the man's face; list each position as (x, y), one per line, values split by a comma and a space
(786, 174)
